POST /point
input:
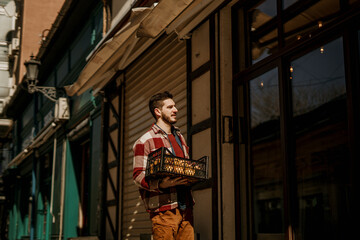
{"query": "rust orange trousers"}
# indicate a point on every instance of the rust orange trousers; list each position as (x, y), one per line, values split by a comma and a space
(173, 225)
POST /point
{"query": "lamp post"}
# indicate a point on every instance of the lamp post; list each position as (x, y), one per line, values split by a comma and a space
(61, 106)
(32, 71)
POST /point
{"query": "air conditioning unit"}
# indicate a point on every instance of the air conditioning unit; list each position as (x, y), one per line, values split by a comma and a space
(62, 110)
(15, 43)
(9, 49)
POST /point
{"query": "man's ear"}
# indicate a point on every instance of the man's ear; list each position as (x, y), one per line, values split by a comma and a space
(157, 112)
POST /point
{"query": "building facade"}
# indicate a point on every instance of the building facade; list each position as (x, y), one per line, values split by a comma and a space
(7, 19)
(267, 89)
(48, 194)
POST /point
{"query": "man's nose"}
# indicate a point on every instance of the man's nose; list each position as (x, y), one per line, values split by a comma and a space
(175, 109)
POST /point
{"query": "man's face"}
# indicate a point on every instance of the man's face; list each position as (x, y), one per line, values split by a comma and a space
(168, 111)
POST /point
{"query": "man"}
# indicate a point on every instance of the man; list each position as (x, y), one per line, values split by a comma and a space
(168, 200)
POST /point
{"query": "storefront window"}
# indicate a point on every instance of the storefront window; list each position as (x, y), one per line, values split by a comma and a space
(263, 30)
(266, 161)
(321, 134)
(305, 19)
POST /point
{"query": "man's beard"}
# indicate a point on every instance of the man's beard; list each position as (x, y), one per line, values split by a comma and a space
(167, 119)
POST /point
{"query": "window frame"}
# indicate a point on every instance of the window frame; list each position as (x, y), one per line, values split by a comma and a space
(281, 59)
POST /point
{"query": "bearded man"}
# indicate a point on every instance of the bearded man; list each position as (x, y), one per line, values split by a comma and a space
(168, 200)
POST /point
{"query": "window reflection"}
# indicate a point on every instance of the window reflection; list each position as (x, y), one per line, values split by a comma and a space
(302, 19)
(313, 15)
(287, 3)
(263, 30)
(322, 158)
(318, 78)
(264, 98)
(266, 156)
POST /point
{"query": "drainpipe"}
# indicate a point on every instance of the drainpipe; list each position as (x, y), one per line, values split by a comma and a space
(35, 178)
(33, 200)
(62, 197)
(53, 180)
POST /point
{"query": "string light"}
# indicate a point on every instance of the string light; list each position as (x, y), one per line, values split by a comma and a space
(298, 37)
(262, 84)
(291, 69)
(322, 50)
(320, 24)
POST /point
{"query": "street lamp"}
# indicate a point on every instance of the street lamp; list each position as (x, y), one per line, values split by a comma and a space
(32, 71)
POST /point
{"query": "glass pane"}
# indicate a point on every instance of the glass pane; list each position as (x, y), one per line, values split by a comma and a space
(62, 70)
(50, 81)
(266, 160)
(98, 28)
(263, 31)
(312, 16)
(287, 3)
(322, 154)
(81, 46)
(28, 114)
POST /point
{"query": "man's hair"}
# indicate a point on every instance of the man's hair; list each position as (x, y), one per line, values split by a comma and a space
(157, 101)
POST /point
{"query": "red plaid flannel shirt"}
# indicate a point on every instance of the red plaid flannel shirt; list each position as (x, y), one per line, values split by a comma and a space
(155, 200)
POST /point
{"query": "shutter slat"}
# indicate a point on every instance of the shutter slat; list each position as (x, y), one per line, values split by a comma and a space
(162, 68)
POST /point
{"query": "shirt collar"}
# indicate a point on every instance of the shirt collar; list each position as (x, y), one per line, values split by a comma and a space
(157, 129)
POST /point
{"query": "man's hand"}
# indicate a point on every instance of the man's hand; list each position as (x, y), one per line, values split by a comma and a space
(172, 182)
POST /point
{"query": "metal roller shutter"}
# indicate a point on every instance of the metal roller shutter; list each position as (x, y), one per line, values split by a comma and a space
(161, 68)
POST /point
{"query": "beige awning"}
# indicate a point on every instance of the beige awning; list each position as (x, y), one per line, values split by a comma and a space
(111, 55)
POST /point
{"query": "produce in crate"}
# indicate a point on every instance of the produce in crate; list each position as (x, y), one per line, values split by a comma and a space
(162, 163)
